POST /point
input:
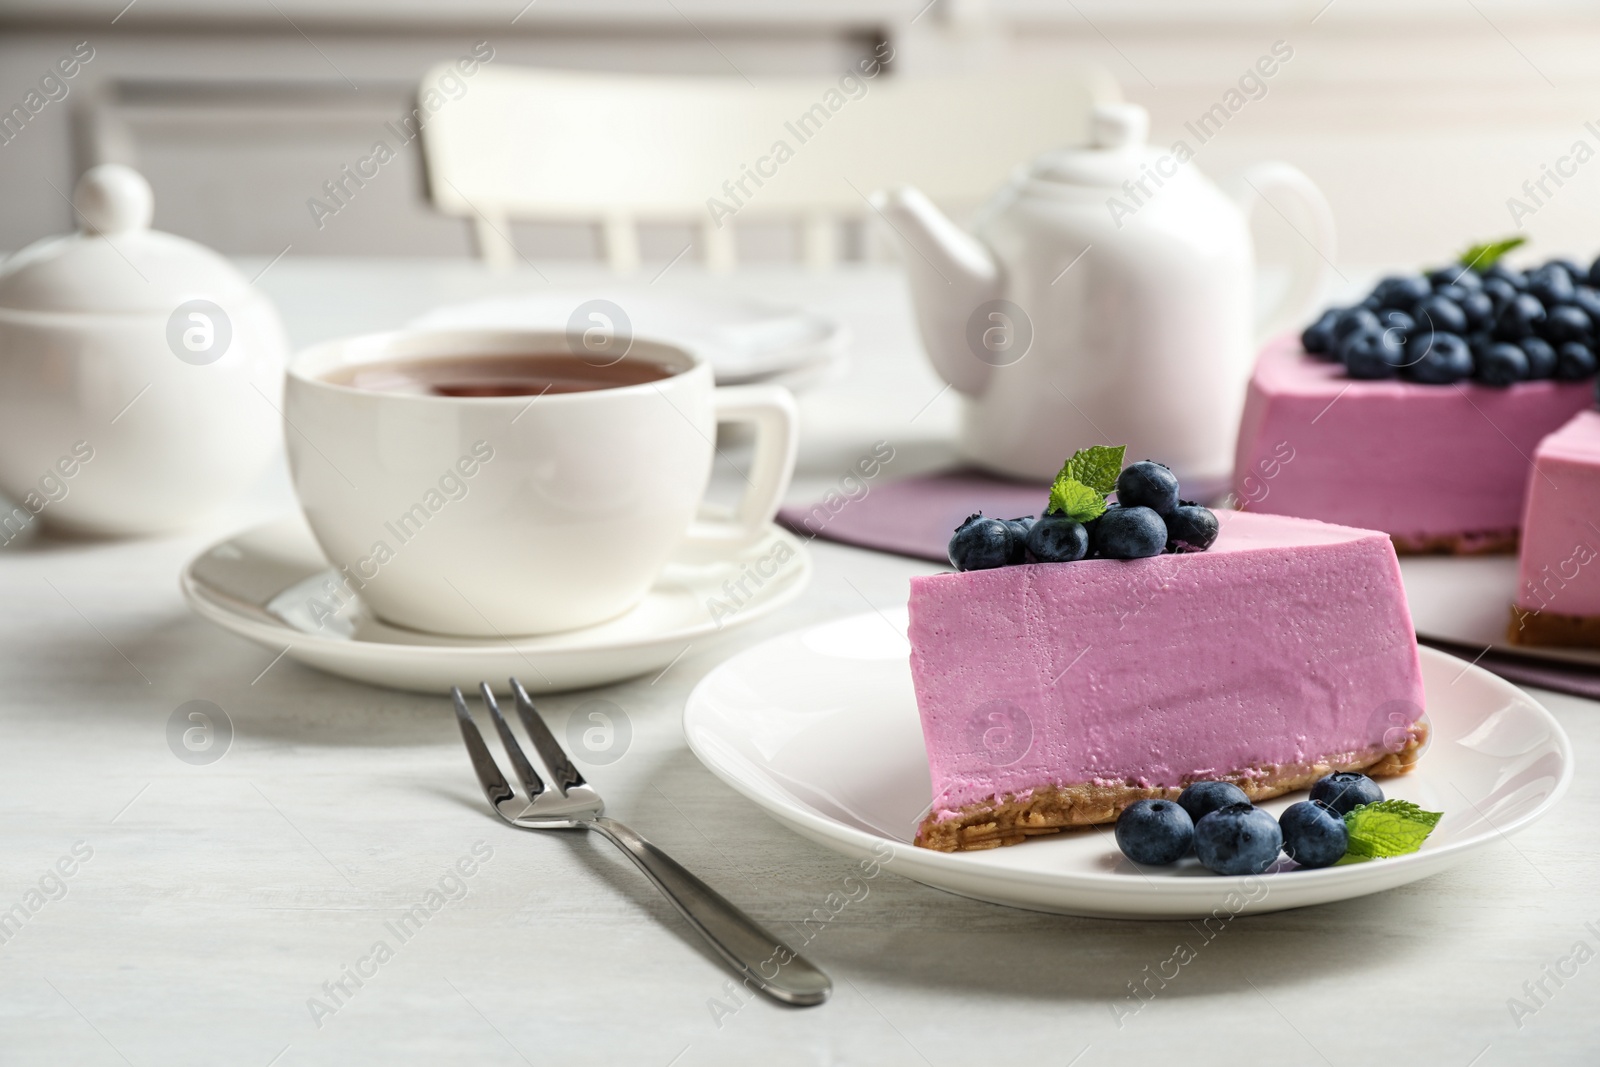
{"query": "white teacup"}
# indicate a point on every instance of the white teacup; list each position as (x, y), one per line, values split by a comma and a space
(498, 515)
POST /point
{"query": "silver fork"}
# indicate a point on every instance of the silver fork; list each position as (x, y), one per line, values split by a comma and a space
(570, 803)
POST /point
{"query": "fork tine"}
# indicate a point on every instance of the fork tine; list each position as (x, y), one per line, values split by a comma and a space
(530, 777)
(495, 786)
(562, 773)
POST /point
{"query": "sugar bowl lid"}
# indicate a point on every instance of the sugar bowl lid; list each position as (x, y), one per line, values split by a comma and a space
(114, 264)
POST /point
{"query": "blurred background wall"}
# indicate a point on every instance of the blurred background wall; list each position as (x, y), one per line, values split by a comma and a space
(1421, 120)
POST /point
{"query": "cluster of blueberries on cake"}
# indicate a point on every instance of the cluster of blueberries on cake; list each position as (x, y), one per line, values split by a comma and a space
(1229, 835)
(1148, 518)
(1496, 326)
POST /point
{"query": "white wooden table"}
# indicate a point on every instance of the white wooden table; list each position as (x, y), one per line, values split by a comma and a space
(215, 901)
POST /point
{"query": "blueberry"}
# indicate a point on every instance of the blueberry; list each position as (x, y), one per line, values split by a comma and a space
(1058, 539)
(1440, 315)
(1351, 320)
(1517, 319)
(1401, 290)
(1094, 524)
(1318, 337)
(1237, 839)
(1515, 278)
(1587, 300)
(1594, 274)
(1191, 528)
(1566, 322)
(1372, 355)
(1552, 285)
(1438, 359)
(1371, 303)
(1453, 293)
(1479, 310)
(1479, 340)
(1129, 533)
(1313, 836)
(1202, 798)
(1343, 791)
(1455, 275)
(1574, 362)
(1154, 832)
(1500, 291)
(980, 544)
(1341, 343)
(1575, 272)
(1397, 321)
(1541, 358)
(1148, 485)
(1019, 538)
(1501, 363)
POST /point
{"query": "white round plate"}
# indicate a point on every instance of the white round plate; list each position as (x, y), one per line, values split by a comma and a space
(820, 728)
(260, 584)
(1467, 599)
(745, 340)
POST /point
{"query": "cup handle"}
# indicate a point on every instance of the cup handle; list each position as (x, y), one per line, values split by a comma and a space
(1314, 263)
(771, 410)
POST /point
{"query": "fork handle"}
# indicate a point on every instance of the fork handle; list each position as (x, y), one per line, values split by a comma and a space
(760, 958)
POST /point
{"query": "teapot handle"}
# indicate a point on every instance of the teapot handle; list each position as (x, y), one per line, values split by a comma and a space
(1315, 261)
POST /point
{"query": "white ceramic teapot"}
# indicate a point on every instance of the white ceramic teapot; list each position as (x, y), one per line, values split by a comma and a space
(138, 373)
(1106, 299)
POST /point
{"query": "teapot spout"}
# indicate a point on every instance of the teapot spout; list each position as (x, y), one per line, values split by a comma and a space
(951, 274)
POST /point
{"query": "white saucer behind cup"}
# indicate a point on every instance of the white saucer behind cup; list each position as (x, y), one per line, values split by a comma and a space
(500, 515)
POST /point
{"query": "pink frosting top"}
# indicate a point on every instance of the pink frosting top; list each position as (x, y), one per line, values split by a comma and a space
(1288, 641)
(1408, 459)
(1560, 565)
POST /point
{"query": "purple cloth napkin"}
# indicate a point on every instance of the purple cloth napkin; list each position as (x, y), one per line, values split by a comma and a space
(915, 517)
(1576, 679)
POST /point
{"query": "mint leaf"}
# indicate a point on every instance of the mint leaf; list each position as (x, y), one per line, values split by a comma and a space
(1080, 489)
(1481, 257)
(1077, 501)
(1387, 828)
(1096, 467)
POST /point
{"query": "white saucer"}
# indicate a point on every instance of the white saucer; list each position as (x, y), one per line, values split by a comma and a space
(820, 728)
(1467, 599)
(745, 340)
(257, 584)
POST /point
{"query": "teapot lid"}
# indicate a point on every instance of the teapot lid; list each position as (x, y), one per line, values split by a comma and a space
(1116, 147)
(115, 263)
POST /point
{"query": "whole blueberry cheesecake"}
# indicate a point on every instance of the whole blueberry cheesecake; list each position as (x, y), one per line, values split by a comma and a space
(1415, 411)
(1558, 586)
(1115, 651)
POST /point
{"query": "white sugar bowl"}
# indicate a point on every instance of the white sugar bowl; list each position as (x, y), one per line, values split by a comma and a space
(140, 373)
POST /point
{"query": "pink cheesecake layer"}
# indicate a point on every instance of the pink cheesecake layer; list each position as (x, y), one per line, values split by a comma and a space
(1412, 460)
(1288, 641)
(1560, 565)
